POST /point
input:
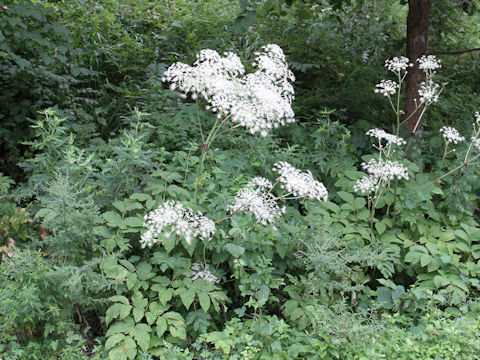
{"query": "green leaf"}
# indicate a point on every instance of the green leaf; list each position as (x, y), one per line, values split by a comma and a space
(140, 197)
(263, 295)
(127, 349)
(112, 218)
(130, 348)
(235, 250)
(123, 326)
(446, 236)
(119, 298)
(347, 197)
(204, 301)
(144, 271)
(187, 297)
(359, 203)
(141, 333)
(440, 281)
(425, 259)
(117, 310)
(138, 300)
(138, 314)
(133, 222)
(384, 297)
(113, 340)
(296, 313)
(178, 332)
(161, 326)
(120, 206)
(381, 227)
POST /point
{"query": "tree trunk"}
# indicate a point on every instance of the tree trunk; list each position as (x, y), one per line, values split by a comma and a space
(417, 36)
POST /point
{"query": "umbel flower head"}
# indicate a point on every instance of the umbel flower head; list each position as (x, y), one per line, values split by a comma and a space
(258, 101)
(429, 92)
(387, 87)
(301, 184)
(450, 134)
(379, 171)
(171, 218)
(429, 62)
(383, 135)
(256, 198)
(398, 64)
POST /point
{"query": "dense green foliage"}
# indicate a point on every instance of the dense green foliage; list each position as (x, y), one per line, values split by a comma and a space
(92, 140)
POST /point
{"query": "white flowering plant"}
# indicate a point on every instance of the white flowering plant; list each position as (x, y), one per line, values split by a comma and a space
(202, 221)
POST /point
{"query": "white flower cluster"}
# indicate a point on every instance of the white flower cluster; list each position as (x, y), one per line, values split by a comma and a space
(301, 184)
(450, 134)
(386, 169)
(256, 198)
(172, 218)
(199, 271)
(477, 118)
(387, 87)
(259, 101)
(380, 171)
(428, 92)
(366, 184)
(398, 64)
(381, 134)
(429, 62)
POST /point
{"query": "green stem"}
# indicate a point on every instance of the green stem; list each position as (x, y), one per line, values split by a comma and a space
(205, 147)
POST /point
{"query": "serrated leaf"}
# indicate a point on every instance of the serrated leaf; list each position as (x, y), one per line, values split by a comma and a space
(235, 250)
(138, 300)
(112, 218)
(119, 298)
(133, 222)
(440, 281)
(263, 295)
(345, 196)
(144, 271)
(113, 340)
(140, 197)
(130, 348)
(446, 236)
(120, 206)
(187, 297)
(296, 313)
(138, 314)
(204, 300)
(161, 326)
(120, 327)
(141, 334)
(359, 203)
(425, 259)
(150, 317)
(131, 280)
(381, 227)
(178, 332)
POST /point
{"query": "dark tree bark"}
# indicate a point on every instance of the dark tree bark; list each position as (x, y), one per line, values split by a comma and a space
(417, 37)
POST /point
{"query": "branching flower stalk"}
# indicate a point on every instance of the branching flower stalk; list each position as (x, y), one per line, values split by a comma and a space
(473, 152)
(428, 94)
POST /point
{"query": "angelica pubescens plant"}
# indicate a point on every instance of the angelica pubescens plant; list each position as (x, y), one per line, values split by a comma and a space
(384, 169)
(259, 101)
